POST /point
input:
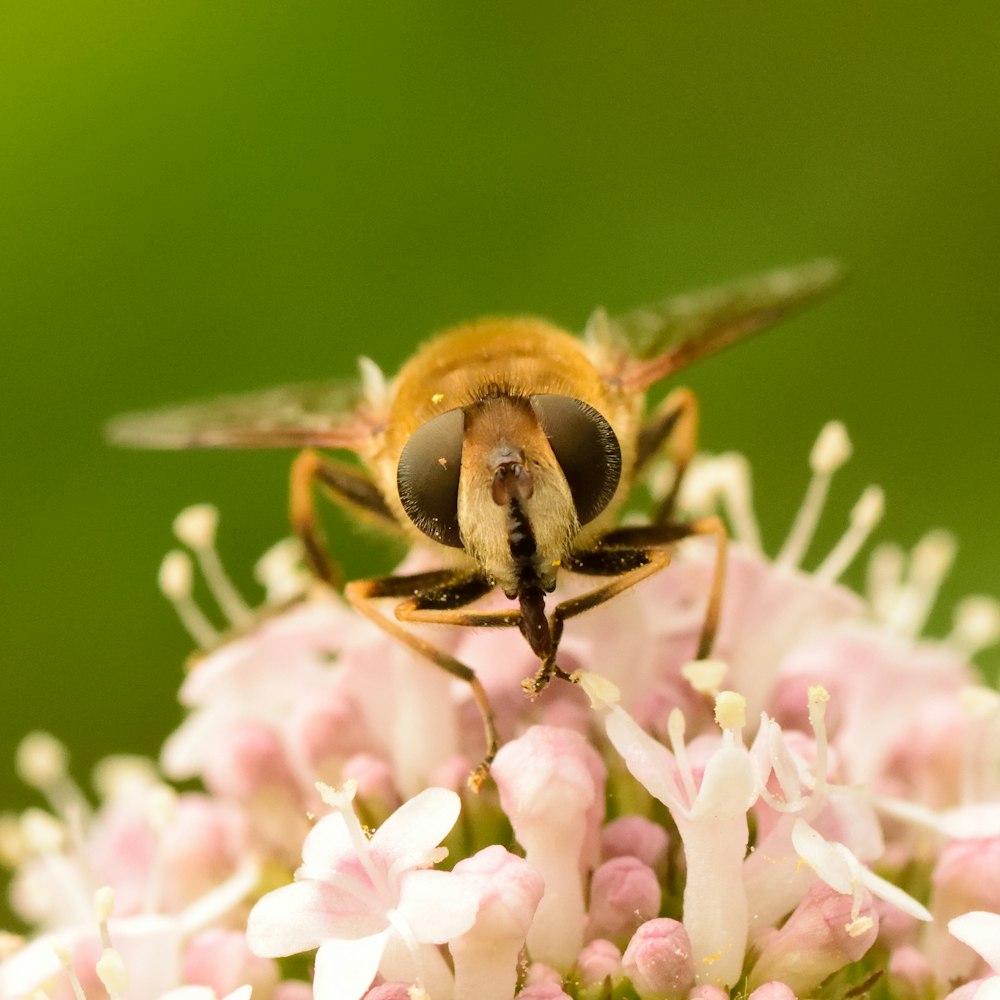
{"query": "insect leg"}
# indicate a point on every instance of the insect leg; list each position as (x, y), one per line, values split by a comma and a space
(648, 538)
(674, 423)
(350, 487)
(442, 591)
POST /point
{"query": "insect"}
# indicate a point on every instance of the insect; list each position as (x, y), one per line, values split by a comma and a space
(509, 446)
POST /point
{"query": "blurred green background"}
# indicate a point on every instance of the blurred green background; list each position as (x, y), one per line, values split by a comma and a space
(201, 197)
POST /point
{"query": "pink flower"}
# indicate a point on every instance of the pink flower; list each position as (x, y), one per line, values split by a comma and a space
(370, 905)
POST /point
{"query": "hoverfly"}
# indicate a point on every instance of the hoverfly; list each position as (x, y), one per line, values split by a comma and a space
(510, 446)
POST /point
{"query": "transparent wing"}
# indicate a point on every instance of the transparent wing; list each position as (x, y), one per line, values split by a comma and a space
(308, 414)
(657, 340)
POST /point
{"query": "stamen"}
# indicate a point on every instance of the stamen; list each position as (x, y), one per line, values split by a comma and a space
(675, 730)
(885, 578)
(196, 526)
(104, 904)
(161, 809)
(818, 698)
(42, 764)
(43, 834)
(111, 972)
(976, 624)
(342, 800)
(175, 581)
(832, 449)
(930, 561)
(65, 955)
(705, 676)
(737, 496)
(731, 713)
(867, 512)
(982, 705)
(601, 692)
(120, 774)
(281, 572)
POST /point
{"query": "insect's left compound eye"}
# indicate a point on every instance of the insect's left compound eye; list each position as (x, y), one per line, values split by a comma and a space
(428, 473)
(586, 449)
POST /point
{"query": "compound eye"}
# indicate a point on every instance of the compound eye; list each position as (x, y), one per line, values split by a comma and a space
(586, 449)
(427, 477)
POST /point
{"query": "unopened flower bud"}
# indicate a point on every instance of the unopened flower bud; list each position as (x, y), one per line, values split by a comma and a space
(636, 836)
(772, 991)
(543, 991)
(624, 893)
(910, 974)
(598, 960)
(658, 960)
(821, 936)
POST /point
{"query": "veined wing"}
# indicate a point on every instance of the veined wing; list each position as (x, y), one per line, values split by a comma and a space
(333, 414)
(655, 341)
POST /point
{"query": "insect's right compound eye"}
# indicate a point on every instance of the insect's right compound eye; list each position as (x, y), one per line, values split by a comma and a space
(428, 473)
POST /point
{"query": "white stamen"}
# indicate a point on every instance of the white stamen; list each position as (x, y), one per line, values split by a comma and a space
(175, 579)
(196, 527)
(373, 383)
(859, 926)
(930, 561)
(123, 774)
(976, 624)
(737, 496)
(731, 711)
(866, 514)
(705, 676)
(65, 955)
(280, 571)
(161, 810)
(601, 692)
(818, 698)
(885, 578)
(104, 903)
(41, 760)
(832, 449)
(676, 725)
(111, 971)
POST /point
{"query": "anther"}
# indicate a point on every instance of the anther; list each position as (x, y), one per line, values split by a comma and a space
(196, 527)
(976, 624)
(281, 572)
(175, 579)
(865, 516)
(832, 449)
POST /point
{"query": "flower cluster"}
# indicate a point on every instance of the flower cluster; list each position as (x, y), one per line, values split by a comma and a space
(814, 810)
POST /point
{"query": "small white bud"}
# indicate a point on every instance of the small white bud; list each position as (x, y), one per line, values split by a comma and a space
(111, 971)
(832, 448)
(196, 525)
(41, 760)
(63, 952)
(104, 903)
(176, 575)
(705, 676)
(731, 710)
(42, 832)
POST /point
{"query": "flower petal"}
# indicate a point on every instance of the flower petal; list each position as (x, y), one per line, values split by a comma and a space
(327, 841)
(650, 762)
(303, 915)
(438, 906)
(345, 969)
(823, 857)
(417, 827)
(981, 932)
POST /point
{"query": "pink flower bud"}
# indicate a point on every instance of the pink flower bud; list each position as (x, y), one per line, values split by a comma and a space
(772, 991)
(637, 836)
(598, 960)
(551, 784)
(543, 991)
(248, 759)
(910, 974)
(658, 960)
(820, 937)
(375, 782)
(389, 991)
(966, 878)
(486, 955)
(624, 893)
(222, 960)
(293, 989)
(708, 991)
